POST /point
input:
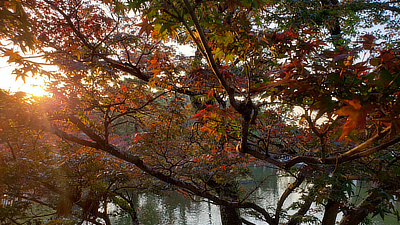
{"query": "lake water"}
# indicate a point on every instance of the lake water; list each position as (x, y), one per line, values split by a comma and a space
(177, 210)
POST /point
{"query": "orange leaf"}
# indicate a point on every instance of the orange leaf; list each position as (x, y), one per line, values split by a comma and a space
(356, 115)
(200, 114)
(124, 88)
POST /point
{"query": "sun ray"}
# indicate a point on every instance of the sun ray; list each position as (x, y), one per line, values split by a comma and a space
(32, 85)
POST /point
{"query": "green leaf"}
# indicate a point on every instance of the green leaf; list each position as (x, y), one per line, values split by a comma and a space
(375, 61)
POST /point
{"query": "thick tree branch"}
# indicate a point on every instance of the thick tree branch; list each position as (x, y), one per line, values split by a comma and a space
(331, 211)
(127, 68)
(210, 58)
(356, 215)
(73, 138)
(245, 108)
(367, 143)
(355, 153)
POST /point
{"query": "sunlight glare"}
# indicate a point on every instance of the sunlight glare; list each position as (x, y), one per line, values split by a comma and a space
(33, 89)
(34, 86)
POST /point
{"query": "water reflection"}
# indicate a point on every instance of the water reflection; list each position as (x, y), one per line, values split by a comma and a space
(272, 187)
(172, 209)
(177, 210)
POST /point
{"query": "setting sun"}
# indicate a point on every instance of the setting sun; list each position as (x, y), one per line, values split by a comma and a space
(33, 89)
(33, 86)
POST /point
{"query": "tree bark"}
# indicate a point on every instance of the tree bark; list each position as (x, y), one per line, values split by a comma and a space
(357, 215)
(354, 217)
(331, 211)
(230, 216)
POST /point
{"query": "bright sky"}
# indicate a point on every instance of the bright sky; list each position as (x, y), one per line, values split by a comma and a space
(8, 82)
(34, 85)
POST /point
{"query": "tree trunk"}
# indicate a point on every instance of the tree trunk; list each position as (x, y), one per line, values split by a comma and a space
(134, 217)
(129, 207)
(331, 211)
(229, 216)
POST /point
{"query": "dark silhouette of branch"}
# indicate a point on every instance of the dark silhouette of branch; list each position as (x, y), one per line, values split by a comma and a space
(101, 144)
(299, 180)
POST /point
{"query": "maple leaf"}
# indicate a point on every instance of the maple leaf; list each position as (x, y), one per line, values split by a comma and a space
(145, 27)
(204, 112)
(124, 88)
(356, 115)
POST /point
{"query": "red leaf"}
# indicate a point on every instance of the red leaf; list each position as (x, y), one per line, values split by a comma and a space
(319, 42)
(202, 113)
(124, 88)
(309, 31)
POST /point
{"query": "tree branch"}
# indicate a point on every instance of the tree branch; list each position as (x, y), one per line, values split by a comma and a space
(286, 194)
(71, 24)
(128, 68)
(210, 58)
(73, 138)
(295, 219)
(355, 153)
(356, 215)
(101, 144)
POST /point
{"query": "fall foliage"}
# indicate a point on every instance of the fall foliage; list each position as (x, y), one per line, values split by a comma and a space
(302, 86)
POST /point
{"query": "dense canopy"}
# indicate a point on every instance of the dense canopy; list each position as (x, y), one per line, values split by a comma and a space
(308, 87)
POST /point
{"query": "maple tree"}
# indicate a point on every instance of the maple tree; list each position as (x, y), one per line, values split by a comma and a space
(194, 122)
(62, 183)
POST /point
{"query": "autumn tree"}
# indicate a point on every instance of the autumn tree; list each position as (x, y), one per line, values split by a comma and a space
(194, 121)
(44, 179)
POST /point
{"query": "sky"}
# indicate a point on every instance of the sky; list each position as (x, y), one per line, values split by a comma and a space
(34, 85)
(8, 82)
